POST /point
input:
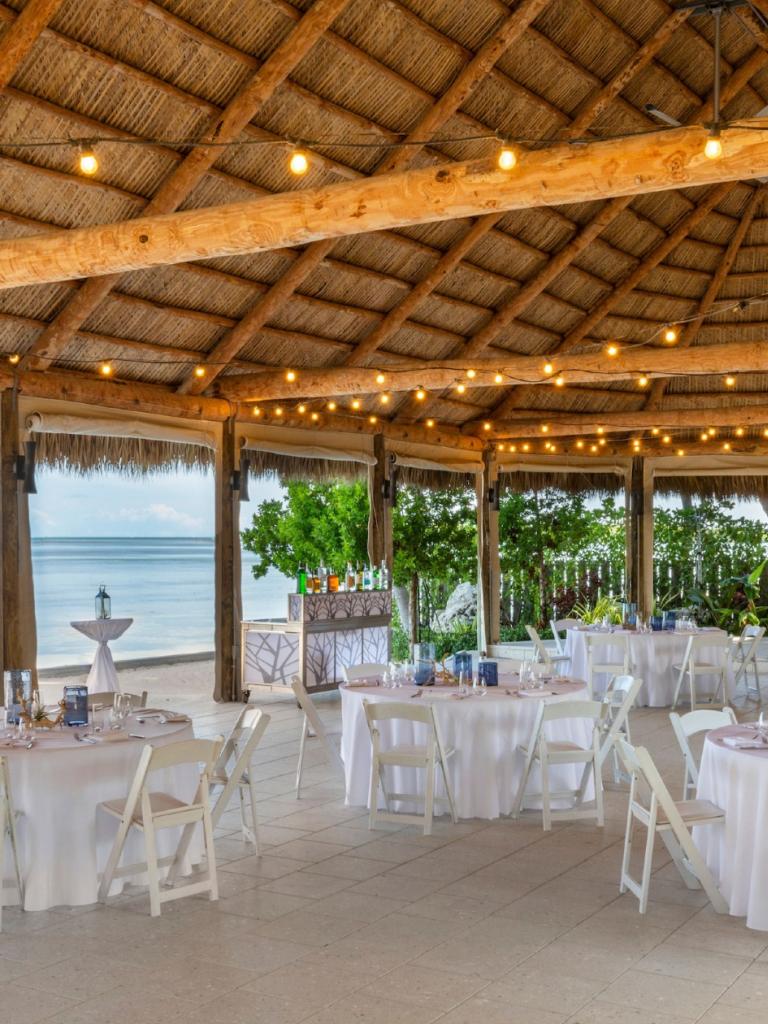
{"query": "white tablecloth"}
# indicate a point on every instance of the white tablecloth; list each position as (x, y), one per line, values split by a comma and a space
(103, 675)
(485, 732)
(652, 656)
(57, 785)
(737, 853)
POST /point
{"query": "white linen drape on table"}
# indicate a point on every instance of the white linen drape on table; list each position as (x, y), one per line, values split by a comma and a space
(484, 731)
(57, 785)
(737, 853)
(652, 657)
(103, 674)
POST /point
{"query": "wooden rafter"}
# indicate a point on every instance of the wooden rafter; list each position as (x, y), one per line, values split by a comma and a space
(692, 328)
(19, 39)
(183, 180)
(456, 94)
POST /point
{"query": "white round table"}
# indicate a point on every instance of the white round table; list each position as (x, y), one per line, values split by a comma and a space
(652, 657)
(737, 853)
(103, 674)
(485, 732)
(57, 785)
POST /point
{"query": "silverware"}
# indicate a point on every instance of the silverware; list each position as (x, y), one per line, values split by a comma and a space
(137, 735)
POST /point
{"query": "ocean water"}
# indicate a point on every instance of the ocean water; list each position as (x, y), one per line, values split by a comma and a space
(165, 584)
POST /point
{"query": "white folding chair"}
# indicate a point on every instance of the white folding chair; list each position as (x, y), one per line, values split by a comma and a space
(313, 725)
(651, 804)
(429, 755)
(693, 666)
(618, 701)
(238, 750)
(368, 670)
(695, 722)
(559, 626)
(542, 653)
(106, 698)
(149, 811)
(548, 753)
(746, 647)
(601, 657)
(8, 817)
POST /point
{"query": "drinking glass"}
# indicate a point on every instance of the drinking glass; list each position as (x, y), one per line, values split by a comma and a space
(463, 688)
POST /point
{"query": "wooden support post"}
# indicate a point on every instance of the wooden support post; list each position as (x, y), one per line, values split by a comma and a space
(227, 603)
(19, 635)
(380, 510)
(488, 575)
(640, 537)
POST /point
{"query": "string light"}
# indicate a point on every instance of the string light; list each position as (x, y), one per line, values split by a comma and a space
(278, 410)
(87, 161)
(642, 382)
(498, 379)
(14, 359)
(461, 388)
(740, 431)
(579, 444)
(507, 158)
(372, 419)
(290, 376)
(612, 350)
(526, 447)
(332, 407)
(548, 369)
(513, 447)
(421, 394)
(602, 441)
(726, 446)
(384, 399)
(670, 335)
(380, 378)
(471, 374)
(713, 147)
(711, 431)
(705, 436)
(355, 403)
(730, 381)
(601, 430)
(547, 446)
(666, 439)
(544, 428)
(256, 410)
(681, 451)
(765, 432)
(655, 431)
(552, 448)
(315, 416)
(430, 423)
(299, 162)
(560, 381)
(486, 426)
(593, 448)
(105, 370)
(199, 371)
(301, 409)
(499, 447)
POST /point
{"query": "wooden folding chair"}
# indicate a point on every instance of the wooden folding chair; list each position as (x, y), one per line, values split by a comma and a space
(429, 755)
(685, 726)
(313, 725)
(548, 753)
(618, 701)
(150, 811)
(8, 817)
(670, 819)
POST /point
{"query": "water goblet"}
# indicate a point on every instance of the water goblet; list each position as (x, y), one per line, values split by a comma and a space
(479, 686)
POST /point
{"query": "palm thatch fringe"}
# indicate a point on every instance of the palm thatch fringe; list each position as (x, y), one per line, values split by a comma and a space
(571, 483)
(725, 486)
(296, 467)
(87, 454)
(435, 479)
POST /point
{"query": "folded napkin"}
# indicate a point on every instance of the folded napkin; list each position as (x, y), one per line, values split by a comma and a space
(744, 743)
(362, 683)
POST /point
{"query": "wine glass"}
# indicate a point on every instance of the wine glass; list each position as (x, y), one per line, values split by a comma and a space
(479, 685)
(463, 688)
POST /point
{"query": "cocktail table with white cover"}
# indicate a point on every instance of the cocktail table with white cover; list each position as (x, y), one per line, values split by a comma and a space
(103, 675)
(652, 657)
(57, 786)
(485, 732)
(737, 853)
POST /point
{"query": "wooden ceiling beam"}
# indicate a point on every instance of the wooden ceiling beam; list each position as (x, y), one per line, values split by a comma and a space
(18, 40)
(583, 368)
(182, 181)
(561, 174)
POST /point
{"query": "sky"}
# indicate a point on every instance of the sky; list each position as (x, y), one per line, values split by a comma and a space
(111, 505)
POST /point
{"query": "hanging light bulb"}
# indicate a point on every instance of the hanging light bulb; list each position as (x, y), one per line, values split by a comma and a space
(642, 381)
(579, 444)
(290, 376)
(87, 161)
(301, 409)
(372, 419)
(705, 436)
(355, 403)
(430, 423)
(666, 439)
(486, 426)
(711, 431)
(498, 379)
(507, 157)
(256, 411)
(544, 428)
(380, 378)
(499, 447)
(612, 350)
(670, 335)
(548, 369)
(471, 374)
(298, 163)
(559, 381)
(461, 388)
(331, 407)
(655, 431)
(421, 394)
(740, 431)
(278, 410)
(602, 441)
(513, 447)
(14, 359)
(593, 448)
(315, 416)
(713, 147)
(526, 447)
(105, 370)
(726, 446)
(730, 381)
(199, 371)
(601, 430)
(384, 399)
(681, 451)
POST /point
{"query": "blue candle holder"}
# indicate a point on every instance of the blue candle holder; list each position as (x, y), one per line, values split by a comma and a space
(462, 662)
(488, 671)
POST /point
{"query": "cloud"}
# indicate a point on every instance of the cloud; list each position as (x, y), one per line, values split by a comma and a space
(160, 513)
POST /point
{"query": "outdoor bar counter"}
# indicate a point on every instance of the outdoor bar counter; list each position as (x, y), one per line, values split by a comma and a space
(321, 636)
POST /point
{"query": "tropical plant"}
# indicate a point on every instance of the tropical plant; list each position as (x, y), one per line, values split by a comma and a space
(603, 607)
(740, 608)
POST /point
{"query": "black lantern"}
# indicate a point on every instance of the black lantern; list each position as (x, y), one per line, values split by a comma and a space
(103, 603)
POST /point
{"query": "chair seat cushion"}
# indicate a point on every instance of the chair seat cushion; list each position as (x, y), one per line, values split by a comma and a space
(694, 810)
(159, 803)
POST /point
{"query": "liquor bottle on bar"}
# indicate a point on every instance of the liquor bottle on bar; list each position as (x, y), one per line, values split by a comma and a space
(301, 580)
(351, 580)
(316, 583)
(333, 582)
(366, 577)
(359, 578)
(384, 575)
(322, 572)
(375, 578)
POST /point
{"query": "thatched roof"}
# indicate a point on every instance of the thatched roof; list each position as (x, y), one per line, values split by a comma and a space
(164, 70)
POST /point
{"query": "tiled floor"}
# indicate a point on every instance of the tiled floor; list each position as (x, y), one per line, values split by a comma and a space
(481, 923)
